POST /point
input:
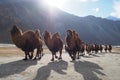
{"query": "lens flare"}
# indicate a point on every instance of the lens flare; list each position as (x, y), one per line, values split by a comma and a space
(55, 3)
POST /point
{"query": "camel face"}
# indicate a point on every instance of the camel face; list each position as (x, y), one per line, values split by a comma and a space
(15, 30)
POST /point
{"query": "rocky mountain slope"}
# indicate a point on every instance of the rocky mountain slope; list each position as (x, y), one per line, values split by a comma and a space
(32, 14)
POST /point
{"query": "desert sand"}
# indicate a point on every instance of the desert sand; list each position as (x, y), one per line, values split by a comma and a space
(101, 66)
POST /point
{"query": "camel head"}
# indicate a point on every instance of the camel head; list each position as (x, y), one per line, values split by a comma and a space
(69, 33)
(46, 35)
(16, 34)
(16, 30)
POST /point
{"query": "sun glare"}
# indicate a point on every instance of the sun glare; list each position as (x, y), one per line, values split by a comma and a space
(55, 3)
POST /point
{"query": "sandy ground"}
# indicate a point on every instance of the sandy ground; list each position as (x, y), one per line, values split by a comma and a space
(102, 66)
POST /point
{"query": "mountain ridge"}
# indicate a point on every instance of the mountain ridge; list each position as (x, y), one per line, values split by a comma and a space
(31, 15)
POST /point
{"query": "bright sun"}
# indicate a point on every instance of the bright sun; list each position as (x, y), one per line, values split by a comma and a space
(55, 3)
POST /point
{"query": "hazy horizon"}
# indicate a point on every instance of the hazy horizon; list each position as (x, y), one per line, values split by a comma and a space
(98, 8)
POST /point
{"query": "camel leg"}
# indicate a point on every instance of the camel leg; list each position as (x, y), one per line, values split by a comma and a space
(60, 57)
(83, 53)
(78, 56)
(56, 56)
(52, 57)
(74, 55)
(37, 54)
(40, 54)
(70, 54)
(110, 51)
(26, 53)
(31, 56)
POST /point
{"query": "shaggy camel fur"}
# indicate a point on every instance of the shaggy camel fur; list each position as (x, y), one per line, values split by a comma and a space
(78, 44)
(54, 43)
(27, 41)
(73, 44)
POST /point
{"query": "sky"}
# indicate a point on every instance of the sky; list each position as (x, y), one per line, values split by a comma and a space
(98, 8)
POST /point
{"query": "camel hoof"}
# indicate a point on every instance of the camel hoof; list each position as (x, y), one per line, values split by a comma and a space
(25, 59)
(31, 57)
(39, 58)
(73, 59)
(34, 58)
(42, 54)
(82, 54)
(52, 59)
(59, 58)
(56, 57)
(78, 57)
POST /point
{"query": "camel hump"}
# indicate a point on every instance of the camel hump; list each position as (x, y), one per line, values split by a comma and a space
(56, 35)
(37, 33)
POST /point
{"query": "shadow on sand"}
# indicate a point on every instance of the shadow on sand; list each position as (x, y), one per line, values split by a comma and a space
(44, 72)
(88, 70)
(15, 67)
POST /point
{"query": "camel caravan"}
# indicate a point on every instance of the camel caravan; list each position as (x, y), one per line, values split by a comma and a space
(30, 40)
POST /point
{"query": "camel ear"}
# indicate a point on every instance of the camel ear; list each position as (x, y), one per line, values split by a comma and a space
(14, 29)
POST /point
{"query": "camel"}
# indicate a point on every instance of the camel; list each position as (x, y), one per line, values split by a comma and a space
(78, 43)
(70, 46)
(100, 48)
(96, 48)
(109, 47)
(54, 44)
(82, 50)
(73, 44)
(27, 41)
(93, 48)
(105, 48)
(88, 49)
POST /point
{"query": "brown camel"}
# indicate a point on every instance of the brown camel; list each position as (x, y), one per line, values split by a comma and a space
(54, 44)
(96, 48)
(78, 43)
(106, 48)
(26, 41)
(92, 48)
(109, 47)
(82, 51)
(101, 48)
(73, 44)
(88, 49)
